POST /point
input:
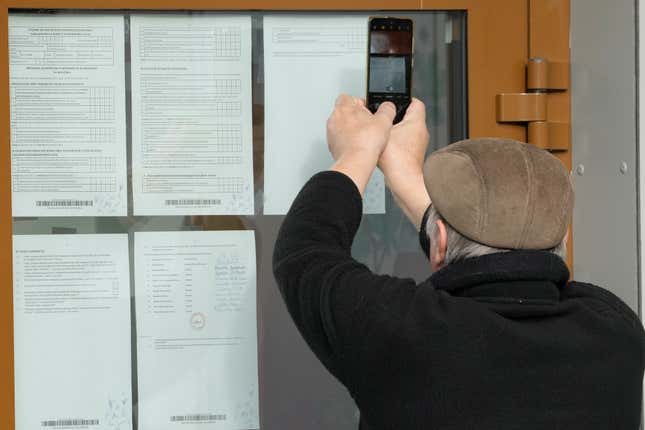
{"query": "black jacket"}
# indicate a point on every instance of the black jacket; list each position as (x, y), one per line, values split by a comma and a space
(497, 342)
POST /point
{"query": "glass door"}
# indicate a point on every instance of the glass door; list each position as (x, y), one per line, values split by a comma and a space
(154, 154)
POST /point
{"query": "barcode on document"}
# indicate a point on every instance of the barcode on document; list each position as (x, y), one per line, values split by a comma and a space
(193, 202)
(64, 203)
(198, 417)
(69, 422)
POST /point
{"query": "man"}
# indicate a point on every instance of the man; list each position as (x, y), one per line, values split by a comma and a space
(497, 337)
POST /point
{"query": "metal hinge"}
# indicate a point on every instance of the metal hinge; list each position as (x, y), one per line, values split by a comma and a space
(543, 77)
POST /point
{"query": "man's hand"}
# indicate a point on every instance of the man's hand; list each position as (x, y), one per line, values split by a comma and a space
(356, 137)
(406, 148)
(402, 162)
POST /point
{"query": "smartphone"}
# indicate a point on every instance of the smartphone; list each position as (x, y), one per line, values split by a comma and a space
(389, 63)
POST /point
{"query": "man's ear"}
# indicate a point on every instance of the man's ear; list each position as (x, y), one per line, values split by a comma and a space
(439, 242)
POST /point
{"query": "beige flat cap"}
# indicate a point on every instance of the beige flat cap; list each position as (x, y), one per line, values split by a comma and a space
(501, 193)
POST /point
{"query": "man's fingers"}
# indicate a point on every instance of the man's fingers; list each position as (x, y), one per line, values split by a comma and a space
(416, 109)
(344, 99)
(386, 112)
(362, 104)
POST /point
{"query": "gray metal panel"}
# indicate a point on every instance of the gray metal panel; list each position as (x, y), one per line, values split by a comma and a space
(603, 97)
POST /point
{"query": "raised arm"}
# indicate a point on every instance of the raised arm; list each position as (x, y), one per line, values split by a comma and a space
(402, 162)
(330, 296)
(356, 138)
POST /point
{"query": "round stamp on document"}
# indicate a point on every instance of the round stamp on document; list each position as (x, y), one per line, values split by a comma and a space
(198, 320)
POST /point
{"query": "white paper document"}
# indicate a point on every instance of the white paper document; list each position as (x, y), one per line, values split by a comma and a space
(72, 331)
(196, 330)
(308, 62)
(192, 139)
(68, 133)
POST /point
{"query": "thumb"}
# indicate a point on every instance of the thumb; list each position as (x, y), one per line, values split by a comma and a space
(386, 113)
(416, 110)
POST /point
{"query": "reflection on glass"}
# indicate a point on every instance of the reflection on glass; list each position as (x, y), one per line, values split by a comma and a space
(386, 242)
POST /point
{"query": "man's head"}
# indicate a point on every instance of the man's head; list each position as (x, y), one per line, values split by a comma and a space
(492, 195)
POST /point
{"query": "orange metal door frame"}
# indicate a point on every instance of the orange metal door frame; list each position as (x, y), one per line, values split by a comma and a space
(497, 51)
(549, 38)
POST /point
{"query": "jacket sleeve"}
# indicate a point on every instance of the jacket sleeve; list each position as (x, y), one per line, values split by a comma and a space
(337, 303)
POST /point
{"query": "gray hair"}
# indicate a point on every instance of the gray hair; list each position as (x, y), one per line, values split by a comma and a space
(459, 247)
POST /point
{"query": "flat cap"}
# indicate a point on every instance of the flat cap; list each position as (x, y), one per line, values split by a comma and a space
(501, 193)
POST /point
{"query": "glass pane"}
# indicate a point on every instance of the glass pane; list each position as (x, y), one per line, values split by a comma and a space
(295, 391)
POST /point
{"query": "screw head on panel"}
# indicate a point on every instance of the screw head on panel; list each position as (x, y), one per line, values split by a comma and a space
(623, 167)
(580, 170)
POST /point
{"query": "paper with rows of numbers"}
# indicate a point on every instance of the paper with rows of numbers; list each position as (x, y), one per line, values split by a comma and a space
(308, 62)
(68, 132)
(72, 331)
(192, 135)
(195, 295)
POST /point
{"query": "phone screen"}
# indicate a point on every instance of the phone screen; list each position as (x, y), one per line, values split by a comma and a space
(390, 52)
(391, 42)
(387, 75)
(390, 63)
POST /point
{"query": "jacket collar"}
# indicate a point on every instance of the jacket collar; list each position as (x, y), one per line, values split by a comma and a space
(515, 276)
